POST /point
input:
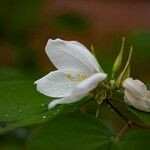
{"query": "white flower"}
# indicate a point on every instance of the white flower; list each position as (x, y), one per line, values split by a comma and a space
(136, 94)
(78, 72)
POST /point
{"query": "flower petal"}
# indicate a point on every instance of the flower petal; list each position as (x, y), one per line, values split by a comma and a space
(141, 86)
(141, 104)
(80, 90)
(136, 86)
(55, 84)
(87, 54)
(71, 57)
(148, 95)
(89, 84)
(66, 100)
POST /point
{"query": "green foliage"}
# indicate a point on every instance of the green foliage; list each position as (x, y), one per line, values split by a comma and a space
(22, 105)
(133, 140)
(133, 114)
(73, 131)
(78, 131)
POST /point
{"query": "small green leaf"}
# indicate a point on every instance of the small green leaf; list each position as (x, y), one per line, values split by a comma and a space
(71, 131)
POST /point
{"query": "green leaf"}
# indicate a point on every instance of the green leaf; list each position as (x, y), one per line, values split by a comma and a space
(71, 131)
(19, 99)
(106, 114)
(79, 131)
(22, 105)
(133, 140)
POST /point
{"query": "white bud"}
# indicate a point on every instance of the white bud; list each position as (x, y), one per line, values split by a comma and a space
(136, 94)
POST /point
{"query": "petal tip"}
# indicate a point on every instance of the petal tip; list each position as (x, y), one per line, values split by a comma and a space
(102, 76)
(53, 104)
(35, 82)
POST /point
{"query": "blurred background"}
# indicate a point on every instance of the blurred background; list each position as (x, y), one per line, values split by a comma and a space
(25, 27)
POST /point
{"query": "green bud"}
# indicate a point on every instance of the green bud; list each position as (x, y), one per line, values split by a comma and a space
(112, 83)
(118, 60)
(126, 71)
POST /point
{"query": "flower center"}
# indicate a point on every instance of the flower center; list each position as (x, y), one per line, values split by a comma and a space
(81, 77)
(78, 77)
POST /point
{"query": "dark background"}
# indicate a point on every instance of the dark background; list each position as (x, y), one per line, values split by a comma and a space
(25, 27)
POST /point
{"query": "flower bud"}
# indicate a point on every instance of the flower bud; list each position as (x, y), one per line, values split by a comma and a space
(126, 71)
(136, 94)
(118, 60)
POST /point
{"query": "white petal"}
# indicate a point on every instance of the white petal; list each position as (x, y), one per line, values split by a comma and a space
(127, 97)
(86, 53)
(71, 57)
(55, 84)
(134, 86)
(141, 86)
(66, 100)
(80, 90)
(53, 103)
(141, 104)
(89, 84)
(148, 95)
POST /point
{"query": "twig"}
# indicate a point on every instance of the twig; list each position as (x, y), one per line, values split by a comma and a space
(119, 113)
(97, 111)
(121, 132)
(141, 125)
(129, 122)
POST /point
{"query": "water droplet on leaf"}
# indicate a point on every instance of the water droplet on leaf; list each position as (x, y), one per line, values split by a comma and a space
(44, 117)
(42, 104)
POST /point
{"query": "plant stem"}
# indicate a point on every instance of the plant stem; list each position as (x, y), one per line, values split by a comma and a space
(129, 122)
(106, 87)
(121, 132)
(141, 126)
(97, 111)
(119, 113)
